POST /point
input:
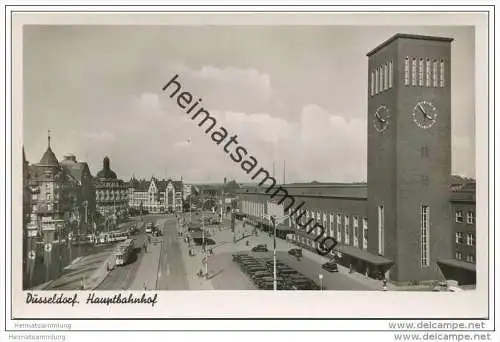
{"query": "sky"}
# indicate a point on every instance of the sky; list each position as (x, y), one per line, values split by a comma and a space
(292, 94)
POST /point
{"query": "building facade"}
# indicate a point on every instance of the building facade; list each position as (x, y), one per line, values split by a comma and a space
(54, 195)
(156, 196)
(400, 224)
(111, 193)
(86, 196)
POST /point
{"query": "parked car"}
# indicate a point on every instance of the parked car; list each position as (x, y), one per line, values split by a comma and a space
(260, 248)
(261, 274)
(296, 252)
(330, 266)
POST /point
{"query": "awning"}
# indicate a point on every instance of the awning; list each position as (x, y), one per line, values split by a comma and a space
(363, 255)
(459, 264)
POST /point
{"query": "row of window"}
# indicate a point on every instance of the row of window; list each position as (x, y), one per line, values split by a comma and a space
(427, 70)
(471, 216)
(459, 238)
(337, 226)
(381, 78)
(469, 258)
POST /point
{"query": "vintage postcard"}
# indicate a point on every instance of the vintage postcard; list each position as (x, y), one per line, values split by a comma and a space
(272, 165)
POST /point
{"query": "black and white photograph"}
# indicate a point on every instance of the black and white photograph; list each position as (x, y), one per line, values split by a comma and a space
(249, 158)
(253, 159)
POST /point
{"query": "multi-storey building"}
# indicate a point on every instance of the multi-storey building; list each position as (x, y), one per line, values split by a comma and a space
(156, 196)
(54, 194)
(462, 265)
(85, 192)
(111, 193)
(400, 223)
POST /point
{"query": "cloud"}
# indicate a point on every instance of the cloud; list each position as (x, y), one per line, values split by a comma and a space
(230, 88)
(99, 137)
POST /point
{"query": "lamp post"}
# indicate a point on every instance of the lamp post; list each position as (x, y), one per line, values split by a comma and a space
(275, 221)
(203, 236)
(321, 281)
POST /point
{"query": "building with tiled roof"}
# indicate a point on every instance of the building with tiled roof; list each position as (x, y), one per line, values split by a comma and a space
(155, 195)
(54, 203)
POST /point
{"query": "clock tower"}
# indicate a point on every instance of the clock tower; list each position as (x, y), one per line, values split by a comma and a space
(409, 154)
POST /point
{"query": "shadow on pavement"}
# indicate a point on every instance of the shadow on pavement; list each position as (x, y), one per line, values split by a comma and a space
(213, 275)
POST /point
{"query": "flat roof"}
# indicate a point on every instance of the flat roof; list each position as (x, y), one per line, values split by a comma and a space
(364, 255)
(459, 264)
(407, 36)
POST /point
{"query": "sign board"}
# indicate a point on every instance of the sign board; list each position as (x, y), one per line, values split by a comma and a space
(48, 247)
(31, 255)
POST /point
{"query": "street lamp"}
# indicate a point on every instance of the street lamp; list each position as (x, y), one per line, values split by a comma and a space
(321, 281)
(203, 236)
(275, 221)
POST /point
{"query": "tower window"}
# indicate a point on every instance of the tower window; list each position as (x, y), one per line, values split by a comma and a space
(386, 77)
(424, 236)
(421, 72)
(441, 76)
(381, 82)
(376, 81)
(459, 238)
(434, 74)
(414, 72)
(459, 216)
(424, 151)
(390, 74)
(372, 84)
(381, 230)
(407, 71)
(428, 72)
(458, 255)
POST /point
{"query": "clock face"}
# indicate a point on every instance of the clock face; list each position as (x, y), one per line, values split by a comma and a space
(381, 118)
(424, 114)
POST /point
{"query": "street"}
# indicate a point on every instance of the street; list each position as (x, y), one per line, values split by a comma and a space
(168, 265)
(122, 276)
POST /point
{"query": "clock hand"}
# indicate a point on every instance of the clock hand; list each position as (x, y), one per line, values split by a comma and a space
(422, 109)
(380, 119)
(427, 116)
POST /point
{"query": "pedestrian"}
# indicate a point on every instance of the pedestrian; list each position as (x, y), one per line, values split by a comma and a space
(145, 286)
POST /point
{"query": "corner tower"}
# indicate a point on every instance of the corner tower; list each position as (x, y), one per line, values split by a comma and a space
(409, 154)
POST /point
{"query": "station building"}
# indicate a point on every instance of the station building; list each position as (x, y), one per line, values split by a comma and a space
(409, 222)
